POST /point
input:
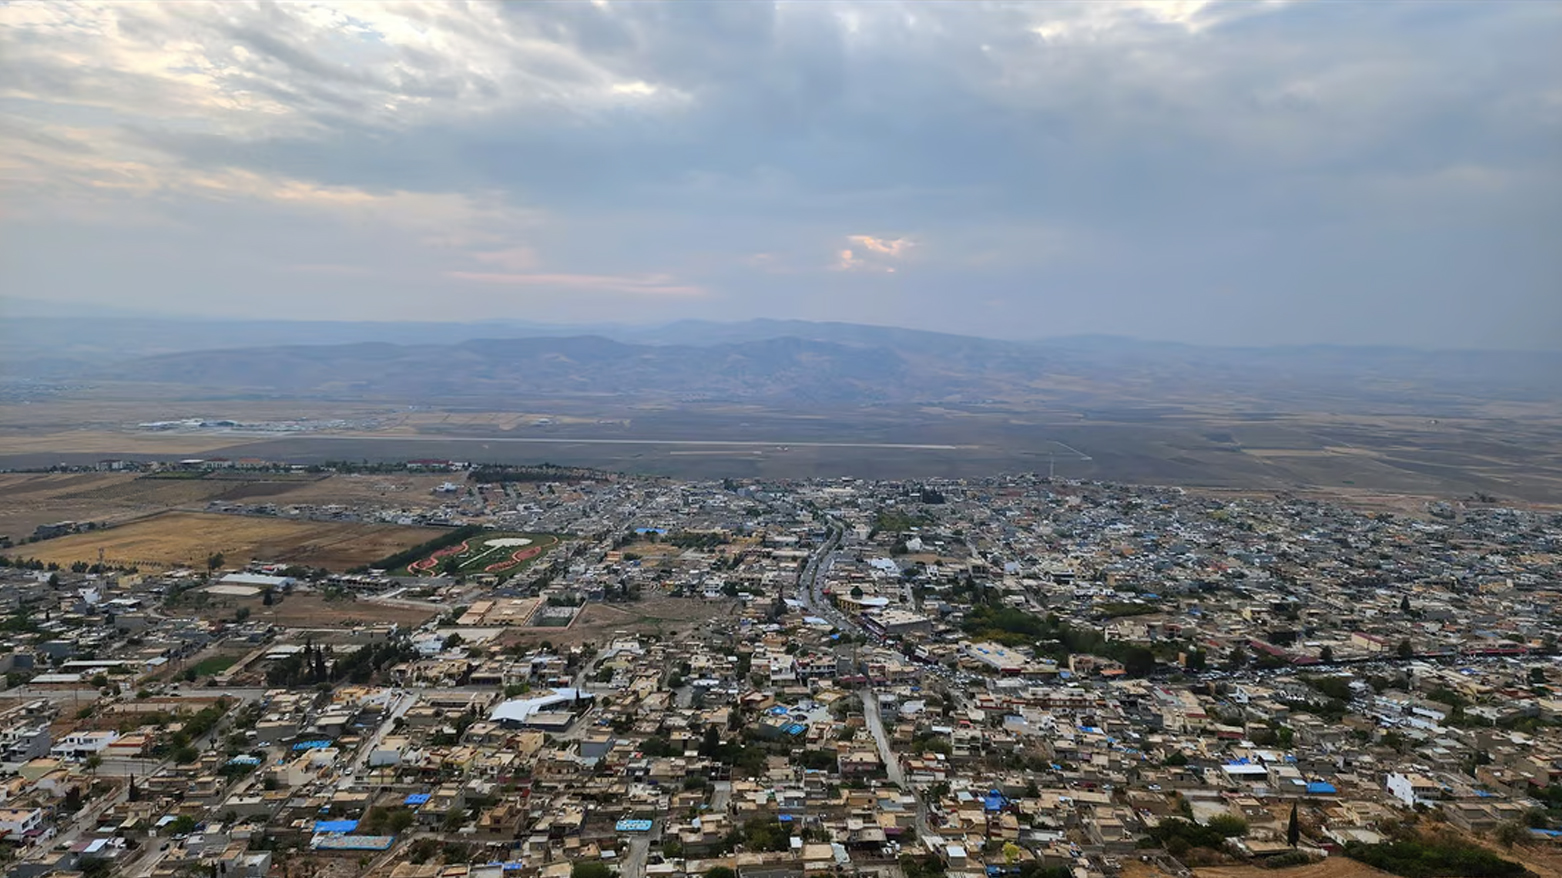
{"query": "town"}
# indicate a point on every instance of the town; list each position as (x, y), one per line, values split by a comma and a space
(582, 674)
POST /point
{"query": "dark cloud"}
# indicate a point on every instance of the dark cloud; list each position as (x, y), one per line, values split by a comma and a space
(1245, 172)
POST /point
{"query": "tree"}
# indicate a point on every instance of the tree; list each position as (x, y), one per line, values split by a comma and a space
(1229, 826)
(720, 872)
(590, 869)
(1326, 654)
(268, 597)
(1293, 830)
(1406, 649)
(214, 560)
(93, 763)
(1404, 604)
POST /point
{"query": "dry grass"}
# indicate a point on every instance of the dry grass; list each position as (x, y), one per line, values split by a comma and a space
(1333, 867)
(314, 611)
(408, 490)
(597, 623)
(186, 539)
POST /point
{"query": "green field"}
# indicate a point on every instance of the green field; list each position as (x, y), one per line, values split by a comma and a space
(490, 552)
(214, 665)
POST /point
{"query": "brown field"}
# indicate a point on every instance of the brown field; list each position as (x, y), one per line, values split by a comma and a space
(186, 539)
(402, 489)
(597, 623)
(110, 498)
(1333, 867)
(302, 610)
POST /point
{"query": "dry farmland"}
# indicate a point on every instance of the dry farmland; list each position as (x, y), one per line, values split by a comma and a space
(177, 539)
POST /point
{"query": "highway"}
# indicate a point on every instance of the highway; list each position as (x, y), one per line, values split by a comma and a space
(810, 583)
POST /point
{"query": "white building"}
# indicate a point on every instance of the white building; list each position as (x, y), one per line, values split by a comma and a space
(19, 822)
(1413, 789)
(80, 745)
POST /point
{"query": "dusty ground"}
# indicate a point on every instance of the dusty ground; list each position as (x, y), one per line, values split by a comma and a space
(398, 489)
(597, 623)
(44, 498)
(313, 611)
(186, 539)
(1333, 867)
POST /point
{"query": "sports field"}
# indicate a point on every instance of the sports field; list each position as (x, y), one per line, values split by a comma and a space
(496, 552)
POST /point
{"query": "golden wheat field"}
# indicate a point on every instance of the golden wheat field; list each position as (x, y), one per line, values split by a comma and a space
(176, 539)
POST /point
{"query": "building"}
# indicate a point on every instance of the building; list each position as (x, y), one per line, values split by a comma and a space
(543, 710)
(1413, 789)
(20, 822)
(80, 745)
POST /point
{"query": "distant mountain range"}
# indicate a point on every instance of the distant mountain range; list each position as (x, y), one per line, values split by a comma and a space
(786, 364)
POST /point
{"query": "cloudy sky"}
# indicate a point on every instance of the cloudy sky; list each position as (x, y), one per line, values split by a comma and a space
(1214, 172)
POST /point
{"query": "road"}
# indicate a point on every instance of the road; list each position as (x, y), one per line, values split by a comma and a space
(634, 862)
(810, 583)
(710, 443)
(720, 796)
(870, 712)
(892, 769)
(404, 703)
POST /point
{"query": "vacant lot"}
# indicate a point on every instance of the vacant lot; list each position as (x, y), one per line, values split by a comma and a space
(597, 623)
(186, 539)
(111, 498)
(1333, 867)
(305, 610)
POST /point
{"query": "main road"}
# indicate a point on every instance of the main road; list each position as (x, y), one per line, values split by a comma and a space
(810, 581)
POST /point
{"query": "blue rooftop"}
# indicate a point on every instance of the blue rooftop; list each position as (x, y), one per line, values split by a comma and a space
(342, 826)
(1320, 788)
(417, 799)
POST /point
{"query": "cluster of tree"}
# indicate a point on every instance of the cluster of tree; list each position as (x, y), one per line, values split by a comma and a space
(386, 821)
(1180, 836)
(27, 563)
(401, 559)
(898, 521)
(1337, 688)
(1005, 624)
(546, 472)
(1442, 857)
(928, 866)
(1117, 609)
(761, 834)
(452, 737)
(1054, 637)
(359, 666)
(95, 569)
(696, 539)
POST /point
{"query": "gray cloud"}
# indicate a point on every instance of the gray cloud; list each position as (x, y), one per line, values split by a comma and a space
(1214, 172)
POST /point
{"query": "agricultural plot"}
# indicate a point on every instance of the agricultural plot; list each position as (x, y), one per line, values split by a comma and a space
(187, 539)
(496, 552)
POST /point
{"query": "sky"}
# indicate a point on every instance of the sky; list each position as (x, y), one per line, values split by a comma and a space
(1210, 172)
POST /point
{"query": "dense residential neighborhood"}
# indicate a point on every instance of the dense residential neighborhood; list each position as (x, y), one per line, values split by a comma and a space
(981, 677)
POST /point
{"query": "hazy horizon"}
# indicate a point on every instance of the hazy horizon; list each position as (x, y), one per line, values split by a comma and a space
(1233, 174)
